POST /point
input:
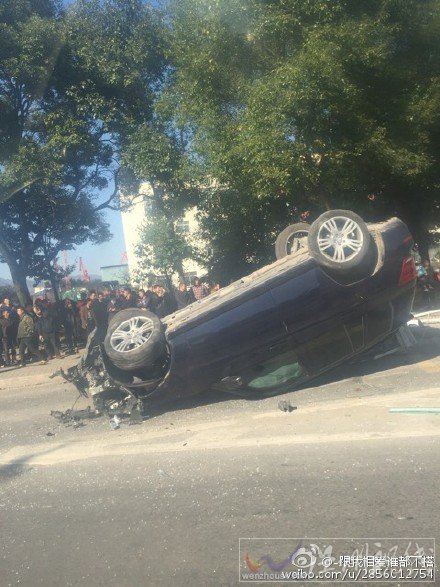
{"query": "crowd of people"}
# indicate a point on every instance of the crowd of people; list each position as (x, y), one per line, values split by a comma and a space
(34, 332)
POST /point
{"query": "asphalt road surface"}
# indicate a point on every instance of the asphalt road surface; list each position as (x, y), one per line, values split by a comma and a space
(165, 502)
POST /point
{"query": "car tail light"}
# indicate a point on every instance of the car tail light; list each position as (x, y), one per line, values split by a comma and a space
(408, 272)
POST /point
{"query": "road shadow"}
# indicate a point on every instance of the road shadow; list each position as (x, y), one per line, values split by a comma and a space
(18, 467)
(427, 347)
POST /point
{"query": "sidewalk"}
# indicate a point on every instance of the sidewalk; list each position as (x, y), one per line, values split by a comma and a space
(34, 373)
(429, 316)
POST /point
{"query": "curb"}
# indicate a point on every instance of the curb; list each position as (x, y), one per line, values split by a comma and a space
(29, 381)
(32, 375)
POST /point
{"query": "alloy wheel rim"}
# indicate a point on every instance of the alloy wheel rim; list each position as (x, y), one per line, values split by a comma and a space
(132, 334)
(340, 239)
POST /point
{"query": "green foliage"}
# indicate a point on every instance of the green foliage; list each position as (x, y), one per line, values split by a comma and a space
(30, 41)
(319, 104)
(7, 291)
(118, 47)
(234, 228)
(253, 110)
(162, 158)
(72, 84)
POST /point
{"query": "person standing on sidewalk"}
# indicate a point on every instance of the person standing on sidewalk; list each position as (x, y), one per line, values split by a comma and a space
(8, 333)
(13, 317)
(165, 304)
(128, 299)
(70, 319)
(99, 311)
(146, 300)
(46, 330)
(184, 296)
(26, 337)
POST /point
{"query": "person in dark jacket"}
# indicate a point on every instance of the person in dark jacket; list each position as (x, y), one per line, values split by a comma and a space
(70, 321)
(100, 316)
(13, 316)
(8, 331)
(184, 296)
(112, 307)
(148, 300)
(26, 337)
(127, 299)
(166, 304)
(46, 330)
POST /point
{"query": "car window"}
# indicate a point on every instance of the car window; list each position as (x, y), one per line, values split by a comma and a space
(379, 321)
(326, 349)
(275, 372)
(355, 328)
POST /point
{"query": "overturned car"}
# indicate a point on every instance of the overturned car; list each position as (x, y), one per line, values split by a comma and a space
(338, 287)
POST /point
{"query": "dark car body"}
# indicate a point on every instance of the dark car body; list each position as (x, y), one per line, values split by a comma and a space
(280, 326)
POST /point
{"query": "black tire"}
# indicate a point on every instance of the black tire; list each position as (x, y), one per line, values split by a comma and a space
(137, 354)
(344, 252)
(286, 242)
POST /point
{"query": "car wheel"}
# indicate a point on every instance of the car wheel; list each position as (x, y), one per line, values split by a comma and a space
(339, 240)
(135, 339)
(291, 239)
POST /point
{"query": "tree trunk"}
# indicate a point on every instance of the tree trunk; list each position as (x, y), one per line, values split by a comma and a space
(20, 284)
(407, 207)
(17, 273)
(323, 196)
(170, 288)
(422, 238)
(54, 284)
(179, 268)
(420, 233)
(158, 199)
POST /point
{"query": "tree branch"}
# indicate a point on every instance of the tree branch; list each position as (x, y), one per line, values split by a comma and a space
(107, 203)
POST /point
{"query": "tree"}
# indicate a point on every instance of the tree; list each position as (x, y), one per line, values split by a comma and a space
(70, 85)
(315, 104)
(30, 42)
(234, 226)
(36, 228)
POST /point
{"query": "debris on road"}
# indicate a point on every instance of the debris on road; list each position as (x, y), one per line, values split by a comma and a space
(135, 417)
(163, 473)
(286, 406)
(75, 416)
(115, 423)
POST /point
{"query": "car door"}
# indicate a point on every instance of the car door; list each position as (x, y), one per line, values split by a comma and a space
(379, 320)
(329, 326)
